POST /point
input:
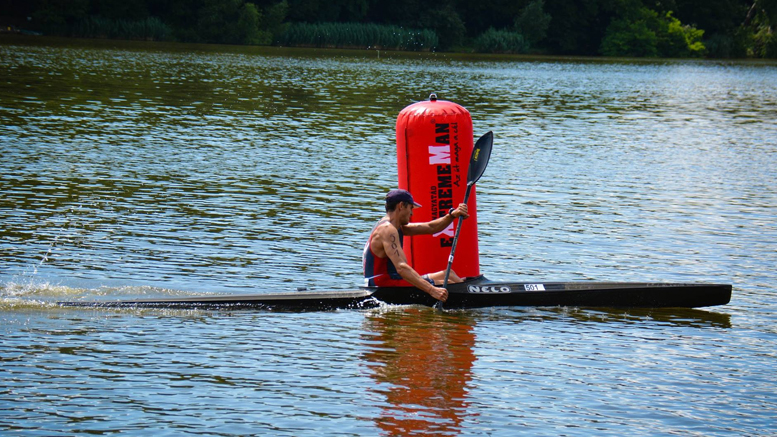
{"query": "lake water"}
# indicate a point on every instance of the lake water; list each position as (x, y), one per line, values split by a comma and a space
(134, 169)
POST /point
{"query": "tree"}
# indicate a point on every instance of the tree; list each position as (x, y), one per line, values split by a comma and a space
(441, 16)
(328, 11)
(248, 26)
(274, 17)
(481, 15)
(533, 22)
(212, 18)
(639, 31)
(57, 16)
(769, 9)
(446, 23)
(631, 35)
(722, 23)
(578, 26)
(763, 43)
(120, 9)
(676, 40)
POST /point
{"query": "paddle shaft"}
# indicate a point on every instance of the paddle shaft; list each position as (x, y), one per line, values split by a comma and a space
(455, 240)
(438, 305)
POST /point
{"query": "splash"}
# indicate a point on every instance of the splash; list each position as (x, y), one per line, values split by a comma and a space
(36, 293)
(32, 295)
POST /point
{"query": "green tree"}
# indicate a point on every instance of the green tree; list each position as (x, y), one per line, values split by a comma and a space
(213, 17)
(676, 40)
(639, 31)
(328, 11)
(578, 26)
(714, 16)
(757, 31)
(133, 10)
(533, 22)
(441, 16)
(721, 21)
(273, 19)
(445, 22)
(769, 9)
(248, 26)
(481, 15)
(58, 16)
(631, 35)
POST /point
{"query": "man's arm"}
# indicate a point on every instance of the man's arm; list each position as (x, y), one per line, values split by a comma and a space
(437, 225)
(390, 238)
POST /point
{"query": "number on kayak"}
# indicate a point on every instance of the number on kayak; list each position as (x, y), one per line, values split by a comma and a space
(533, 287)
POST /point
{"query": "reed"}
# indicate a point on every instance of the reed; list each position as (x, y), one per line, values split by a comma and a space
(358, 35)
(501, 41)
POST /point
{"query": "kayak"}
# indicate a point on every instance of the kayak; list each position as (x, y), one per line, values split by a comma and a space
(477, 292)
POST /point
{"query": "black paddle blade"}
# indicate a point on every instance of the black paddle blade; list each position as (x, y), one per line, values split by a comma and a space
(479, 159)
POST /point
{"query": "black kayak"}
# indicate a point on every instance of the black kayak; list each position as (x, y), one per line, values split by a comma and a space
(476, 292)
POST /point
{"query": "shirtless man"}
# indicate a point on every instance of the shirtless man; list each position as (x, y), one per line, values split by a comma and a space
(384, 261)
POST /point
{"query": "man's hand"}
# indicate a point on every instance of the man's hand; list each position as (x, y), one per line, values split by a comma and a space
(461, 211)
(438, 293)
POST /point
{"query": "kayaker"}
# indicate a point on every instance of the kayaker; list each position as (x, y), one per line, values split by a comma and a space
(384, 260)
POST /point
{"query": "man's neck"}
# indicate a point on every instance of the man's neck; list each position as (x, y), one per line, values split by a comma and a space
(394, 219)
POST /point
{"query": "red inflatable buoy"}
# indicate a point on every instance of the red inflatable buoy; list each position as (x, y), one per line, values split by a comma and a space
(434, 144)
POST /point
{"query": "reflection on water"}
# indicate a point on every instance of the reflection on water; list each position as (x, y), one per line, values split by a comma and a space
(421, 360)
(687, 317)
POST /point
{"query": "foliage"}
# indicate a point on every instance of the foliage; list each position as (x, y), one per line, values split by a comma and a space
(248, 26)
(445, 22)
(312, 11)
(58, 16)
(211, 16)
(533, 22)
(676, 40)
(352, 35)
(626, 37)
(481, 15)
(230, 22)
(273, 19)
(725, 46)
(577, 27)
(150, 29)
(764, 42)
(639, 31)
(729, 28)
(501, 41)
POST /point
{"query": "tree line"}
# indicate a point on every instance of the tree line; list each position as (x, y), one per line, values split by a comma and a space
(649, 28)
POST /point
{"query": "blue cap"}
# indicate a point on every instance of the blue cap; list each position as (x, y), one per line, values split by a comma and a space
(396, 196)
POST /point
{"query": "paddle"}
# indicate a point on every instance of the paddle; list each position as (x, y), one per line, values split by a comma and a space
(477, 165)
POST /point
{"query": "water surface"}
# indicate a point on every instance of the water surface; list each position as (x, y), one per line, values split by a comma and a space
(136, 169)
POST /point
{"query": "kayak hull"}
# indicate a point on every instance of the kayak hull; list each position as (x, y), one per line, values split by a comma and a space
(474, 293)
(573, 294)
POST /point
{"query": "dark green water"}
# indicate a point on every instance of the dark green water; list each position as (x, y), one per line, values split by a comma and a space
(145, 170)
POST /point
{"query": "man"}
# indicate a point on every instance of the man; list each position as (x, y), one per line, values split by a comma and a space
(384, 261)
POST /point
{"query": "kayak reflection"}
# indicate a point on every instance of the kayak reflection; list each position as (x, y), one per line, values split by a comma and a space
(422, 363)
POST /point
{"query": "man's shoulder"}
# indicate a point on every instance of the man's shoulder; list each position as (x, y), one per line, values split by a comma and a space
(385, 227)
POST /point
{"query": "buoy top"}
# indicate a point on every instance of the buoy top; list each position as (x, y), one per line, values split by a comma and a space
(432, 108)
(433, 97)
